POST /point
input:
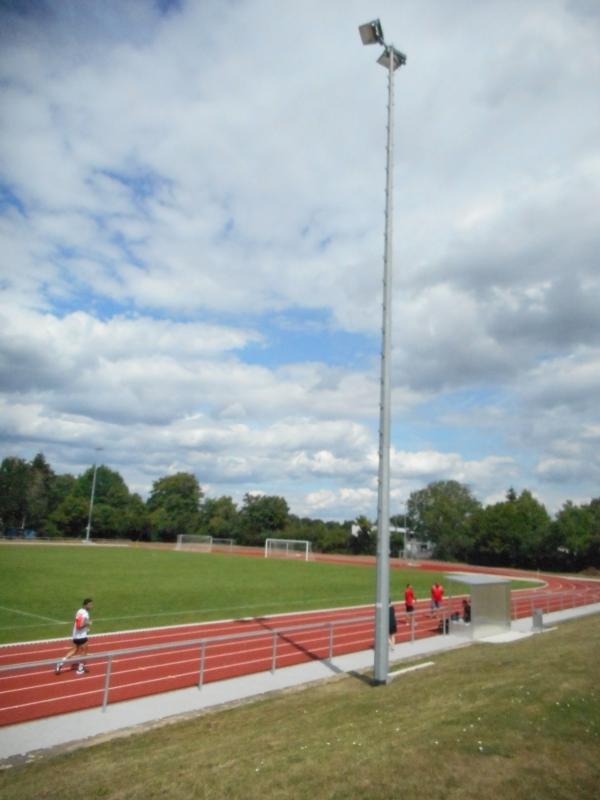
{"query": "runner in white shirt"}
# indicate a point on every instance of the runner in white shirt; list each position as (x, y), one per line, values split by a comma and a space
(81, 628)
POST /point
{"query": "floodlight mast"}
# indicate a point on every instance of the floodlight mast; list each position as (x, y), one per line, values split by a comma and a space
(392, 59)
(88, 529)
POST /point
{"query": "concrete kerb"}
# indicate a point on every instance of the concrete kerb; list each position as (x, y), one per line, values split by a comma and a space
(30, 740)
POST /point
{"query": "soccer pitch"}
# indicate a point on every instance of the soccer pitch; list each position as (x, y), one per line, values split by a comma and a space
(41, 586)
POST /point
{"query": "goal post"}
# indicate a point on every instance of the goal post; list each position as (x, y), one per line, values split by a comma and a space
(195, 542)
(222, 544)
(288, 548)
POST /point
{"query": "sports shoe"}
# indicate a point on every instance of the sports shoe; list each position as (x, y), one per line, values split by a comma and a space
(81, 669)
(57, 668)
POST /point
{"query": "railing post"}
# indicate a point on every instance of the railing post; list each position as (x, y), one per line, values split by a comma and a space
(330, 641)
(274, 660)
(202, 660)
(412, 626)
(107, 683)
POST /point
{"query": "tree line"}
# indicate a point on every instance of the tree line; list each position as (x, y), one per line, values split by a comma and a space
(515, 532)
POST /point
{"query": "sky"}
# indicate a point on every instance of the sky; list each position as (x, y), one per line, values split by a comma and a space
(192, 199)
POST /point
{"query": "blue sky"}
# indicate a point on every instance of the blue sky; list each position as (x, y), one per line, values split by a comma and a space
(191, 219)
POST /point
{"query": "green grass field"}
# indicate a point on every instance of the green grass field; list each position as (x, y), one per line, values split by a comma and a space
(518, 721)
(42, 585)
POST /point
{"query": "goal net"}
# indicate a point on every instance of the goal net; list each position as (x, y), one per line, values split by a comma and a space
(288, 548)
(222, 544)
(197, 543)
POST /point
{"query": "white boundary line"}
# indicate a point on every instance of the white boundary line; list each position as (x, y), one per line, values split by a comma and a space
(36, 616)
(222, 621)
(397, 672)
(194, 624)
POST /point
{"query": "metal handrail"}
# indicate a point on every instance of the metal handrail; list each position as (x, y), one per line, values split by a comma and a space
(192, 642)
(202, 643)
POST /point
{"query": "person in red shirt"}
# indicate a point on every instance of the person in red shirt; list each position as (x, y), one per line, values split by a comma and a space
(437, 596)
(409, 599)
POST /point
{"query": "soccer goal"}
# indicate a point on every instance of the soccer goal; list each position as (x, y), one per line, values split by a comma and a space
(222, 544)
(197, 543)
(288, 548)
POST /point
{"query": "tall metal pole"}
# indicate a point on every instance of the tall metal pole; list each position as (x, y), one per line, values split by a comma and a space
(381, 666)
(88, 529)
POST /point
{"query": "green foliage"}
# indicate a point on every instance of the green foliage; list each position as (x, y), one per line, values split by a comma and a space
(326, 537)
(365, 542)
(517, 531)
(174, 506)
(261, 517)
(575, 535)
(69, 518)
(510, 533)
(136, 519)
(110, 487)
(440, 513)
(219, 518)
(15, 474)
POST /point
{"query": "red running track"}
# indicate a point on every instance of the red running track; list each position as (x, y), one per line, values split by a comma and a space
(37, 692)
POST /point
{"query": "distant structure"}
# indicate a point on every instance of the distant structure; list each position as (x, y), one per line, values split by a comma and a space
(414, 548)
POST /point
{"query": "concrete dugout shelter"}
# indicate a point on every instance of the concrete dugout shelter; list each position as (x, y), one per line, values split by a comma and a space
(490, 605)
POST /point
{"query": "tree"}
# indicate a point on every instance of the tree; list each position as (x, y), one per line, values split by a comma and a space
(136, 519)
(69, 518)
(71, 499)
(60, 489)
(110, 490)
(261, 517)
(174, 506)
(365, 540)
(41, 476)
(575, 536)
(510, 533)
(15, 475)
(61, 486)
(219, 518)
(325, 537)
(440, 513)
(111, 499)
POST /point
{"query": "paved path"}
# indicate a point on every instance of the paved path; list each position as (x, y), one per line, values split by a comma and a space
(84, 726)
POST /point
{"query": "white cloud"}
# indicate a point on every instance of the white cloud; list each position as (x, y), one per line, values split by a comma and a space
(168, 203)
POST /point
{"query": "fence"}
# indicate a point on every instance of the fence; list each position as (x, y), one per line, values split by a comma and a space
(202, 644)
(525, 606)
(419, 624)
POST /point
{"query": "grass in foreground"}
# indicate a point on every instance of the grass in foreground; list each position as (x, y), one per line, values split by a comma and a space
(41, 586)
(518, 721)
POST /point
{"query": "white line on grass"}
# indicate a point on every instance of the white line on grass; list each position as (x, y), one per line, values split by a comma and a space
(397, 672)
(265, 605)
(29, 614)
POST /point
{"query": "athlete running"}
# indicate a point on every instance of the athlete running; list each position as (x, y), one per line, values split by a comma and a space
(81, 628)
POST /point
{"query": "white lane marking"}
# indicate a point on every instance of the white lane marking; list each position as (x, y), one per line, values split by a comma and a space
(29, 614)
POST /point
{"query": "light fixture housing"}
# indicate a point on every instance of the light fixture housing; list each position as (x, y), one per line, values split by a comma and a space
(371, 32)
(390, 52)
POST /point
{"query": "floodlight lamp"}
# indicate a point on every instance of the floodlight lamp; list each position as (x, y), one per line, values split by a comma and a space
(398, 58)
(371, 32)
